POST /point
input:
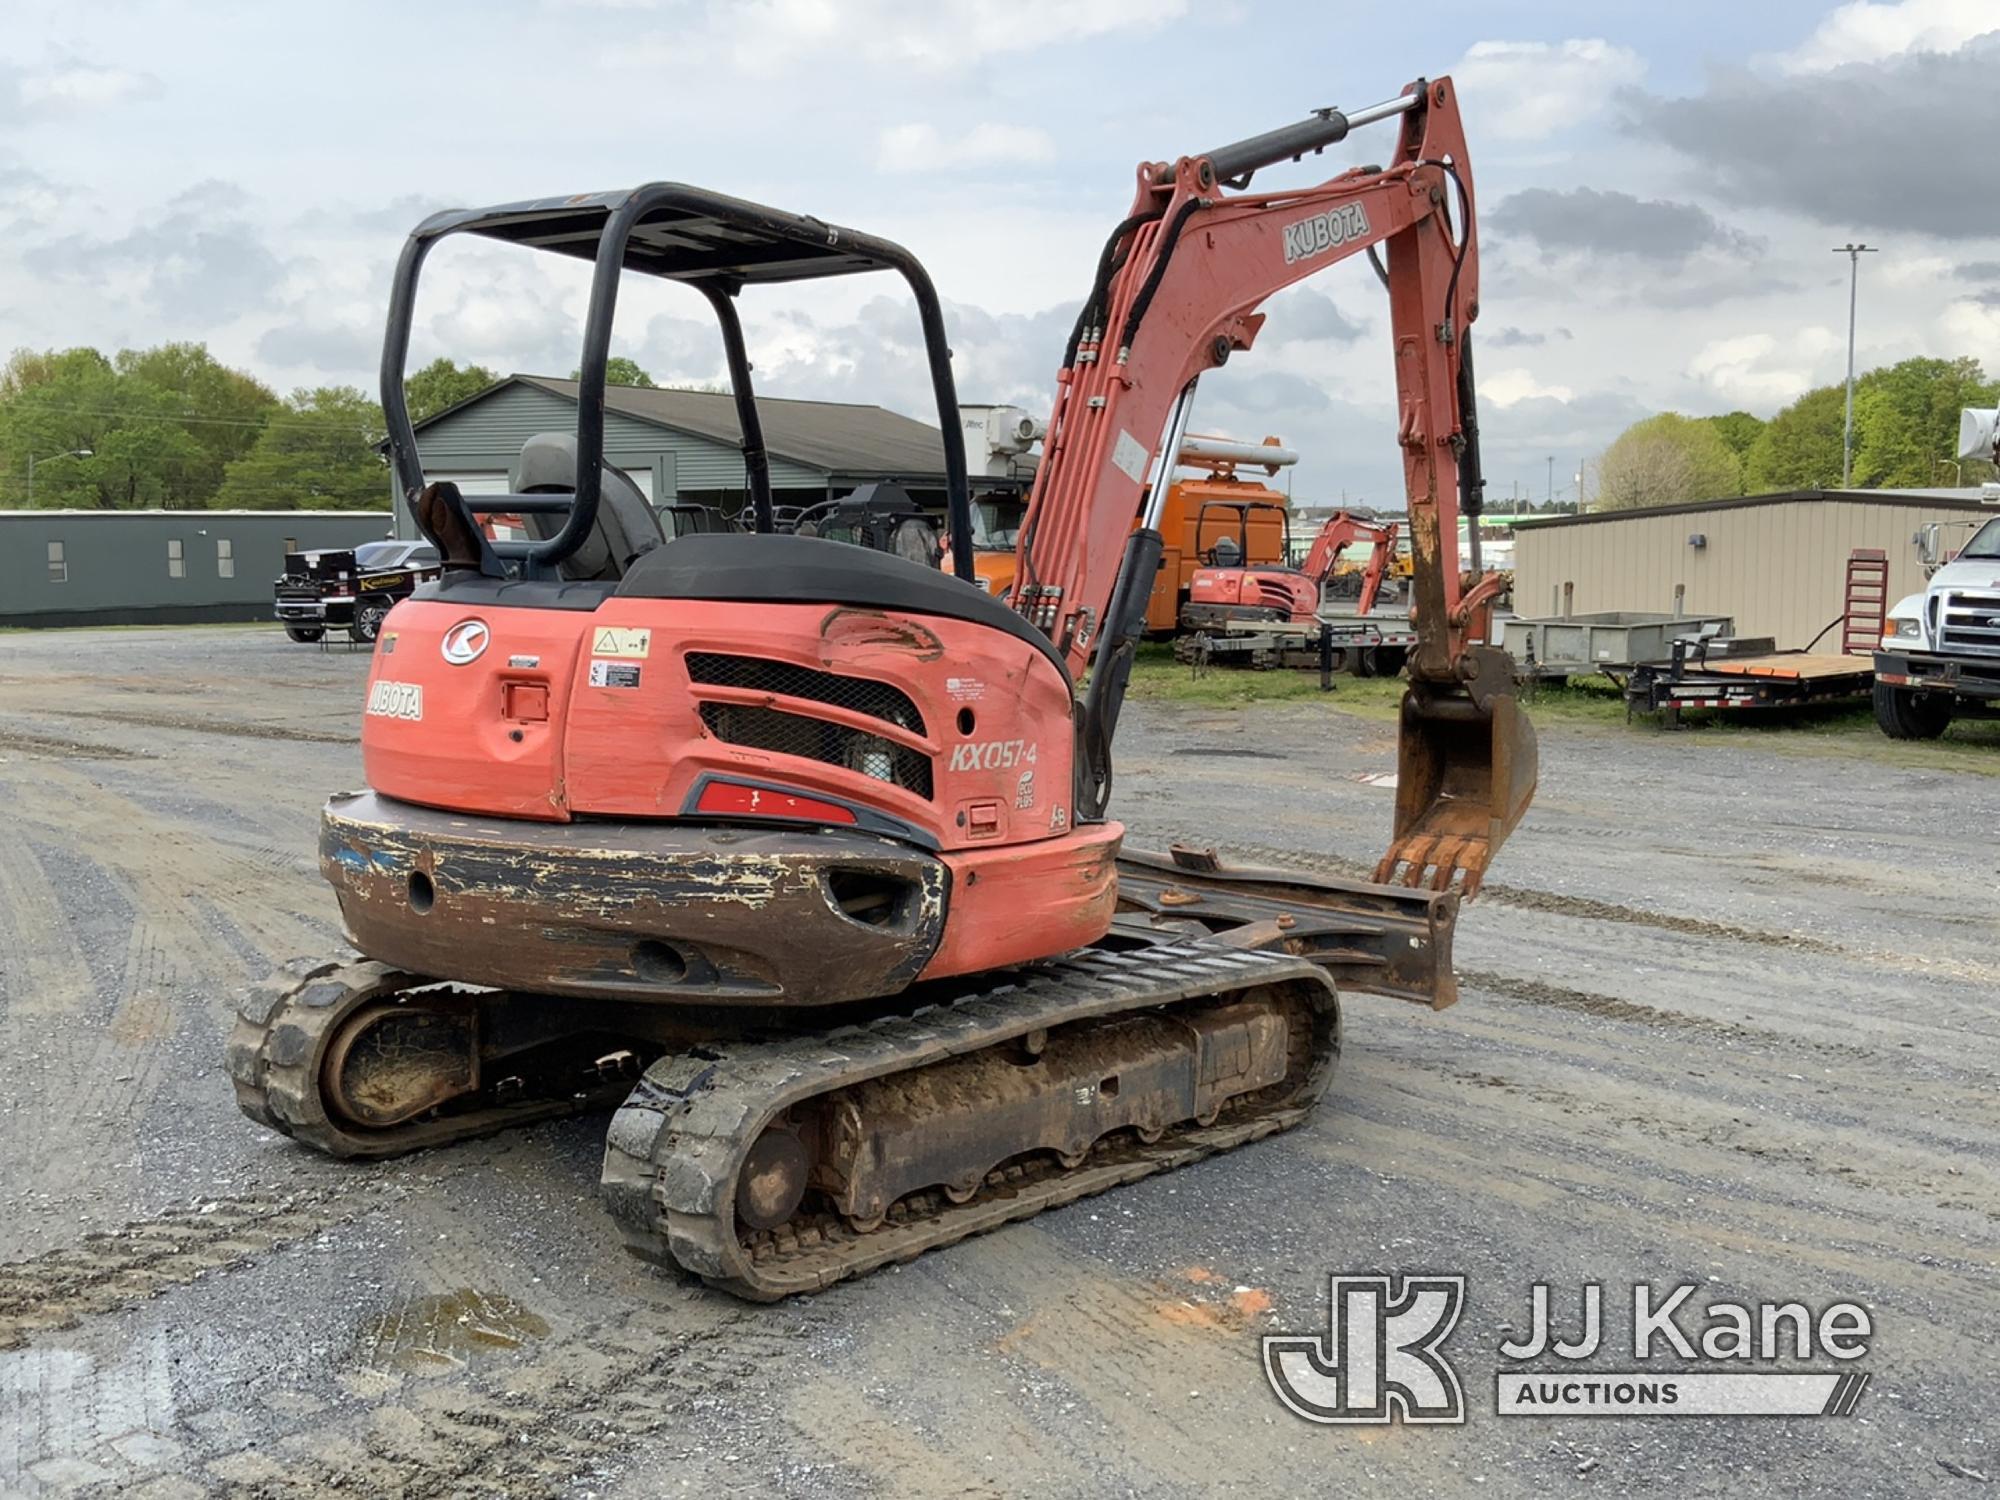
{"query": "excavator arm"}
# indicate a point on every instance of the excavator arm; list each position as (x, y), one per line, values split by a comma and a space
(1176, 294)
(1342, 531)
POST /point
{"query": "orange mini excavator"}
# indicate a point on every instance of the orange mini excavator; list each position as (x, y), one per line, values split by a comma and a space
(1226, 591)
(802, 850)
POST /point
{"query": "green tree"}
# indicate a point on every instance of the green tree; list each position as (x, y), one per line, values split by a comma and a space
(1906, 420)
(619, 370)
(1738, 429)
(1667, 460)
(1799, 448)
(317, 453)
(441, 383)
(223, 410)
(55, 402)
(160, 425)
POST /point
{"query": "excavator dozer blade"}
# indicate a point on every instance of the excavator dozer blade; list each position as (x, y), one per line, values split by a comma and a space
(1465, 773)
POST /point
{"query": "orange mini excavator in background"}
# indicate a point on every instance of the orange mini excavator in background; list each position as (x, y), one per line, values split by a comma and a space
(804, 849)
(1226, 592)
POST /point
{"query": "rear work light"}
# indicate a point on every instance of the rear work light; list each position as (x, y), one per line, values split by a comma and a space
(732, 799)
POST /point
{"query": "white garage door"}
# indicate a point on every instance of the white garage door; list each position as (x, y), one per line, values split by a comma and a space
(489, 483)
(483, 483)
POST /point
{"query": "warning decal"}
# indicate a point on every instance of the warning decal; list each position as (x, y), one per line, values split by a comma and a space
(620, 640)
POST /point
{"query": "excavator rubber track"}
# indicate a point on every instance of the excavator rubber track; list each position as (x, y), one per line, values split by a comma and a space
(680, 1145)
(1204, 960)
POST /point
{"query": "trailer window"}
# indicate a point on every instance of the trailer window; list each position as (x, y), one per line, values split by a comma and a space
(176, 560)
(58, 563)
(225, 558)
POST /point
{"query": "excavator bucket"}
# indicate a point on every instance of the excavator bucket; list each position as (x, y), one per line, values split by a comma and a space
(1465, 773)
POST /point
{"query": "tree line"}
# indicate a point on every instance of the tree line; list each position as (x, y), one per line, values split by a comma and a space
(1905, 437)
(173, 428)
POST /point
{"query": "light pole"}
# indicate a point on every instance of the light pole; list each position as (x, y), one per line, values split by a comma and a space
(1853, 254)
(32, 461)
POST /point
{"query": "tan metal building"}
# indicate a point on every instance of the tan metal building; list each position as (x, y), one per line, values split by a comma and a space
(1775, 563)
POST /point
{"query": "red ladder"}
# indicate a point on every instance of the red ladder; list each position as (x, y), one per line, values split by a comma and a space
(1867, 606)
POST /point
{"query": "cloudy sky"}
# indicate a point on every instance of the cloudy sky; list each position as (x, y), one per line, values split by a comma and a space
(1660, 186)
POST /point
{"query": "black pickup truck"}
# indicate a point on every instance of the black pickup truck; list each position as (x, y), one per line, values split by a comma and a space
(349, 589)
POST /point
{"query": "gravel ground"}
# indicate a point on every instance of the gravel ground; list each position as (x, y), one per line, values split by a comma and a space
(1727, 1019)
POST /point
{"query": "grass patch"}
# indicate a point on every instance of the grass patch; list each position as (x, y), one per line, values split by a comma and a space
(1848, 731)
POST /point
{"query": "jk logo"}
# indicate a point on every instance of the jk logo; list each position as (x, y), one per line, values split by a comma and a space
(1380, 1357)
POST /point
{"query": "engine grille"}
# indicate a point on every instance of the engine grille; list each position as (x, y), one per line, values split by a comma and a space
(861, 695)
(1273, 595)
(1969, 623)
(816, 739)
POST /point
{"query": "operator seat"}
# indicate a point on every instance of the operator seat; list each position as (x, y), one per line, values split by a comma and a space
(626, 527)
(1225, 553)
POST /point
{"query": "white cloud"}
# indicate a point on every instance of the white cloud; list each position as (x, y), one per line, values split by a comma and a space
(1969, 324)
(1911, 270)
(1508, 387)
(1757, 369)
(1865, 31)
(1524, 91)
(766, 37)
(79, 85)
(924, 148)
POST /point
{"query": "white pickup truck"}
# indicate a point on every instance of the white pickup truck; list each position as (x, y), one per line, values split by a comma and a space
(1940, 653)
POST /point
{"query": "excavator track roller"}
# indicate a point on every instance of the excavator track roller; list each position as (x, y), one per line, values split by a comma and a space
(924, 1129)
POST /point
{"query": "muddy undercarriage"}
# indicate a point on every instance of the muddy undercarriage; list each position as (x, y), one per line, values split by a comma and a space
(774, 1152)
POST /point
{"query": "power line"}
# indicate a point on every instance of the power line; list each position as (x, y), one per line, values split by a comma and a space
(132, 416)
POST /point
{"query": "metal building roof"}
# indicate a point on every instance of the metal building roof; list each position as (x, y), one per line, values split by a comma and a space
(836, 437)
(1967, 499)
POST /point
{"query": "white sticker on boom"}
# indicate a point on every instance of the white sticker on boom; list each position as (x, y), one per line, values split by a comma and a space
(617, 640)
(1131, 456)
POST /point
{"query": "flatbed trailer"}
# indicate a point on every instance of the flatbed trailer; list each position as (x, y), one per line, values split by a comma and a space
(1366, 645)
(1692, 679)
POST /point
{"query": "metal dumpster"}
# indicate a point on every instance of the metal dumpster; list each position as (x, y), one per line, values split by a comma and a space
(1573, 645)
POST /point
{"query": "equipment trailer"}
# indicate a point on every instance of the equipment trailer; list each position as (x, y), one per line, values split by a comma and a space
(811, 839)
(1738, 675)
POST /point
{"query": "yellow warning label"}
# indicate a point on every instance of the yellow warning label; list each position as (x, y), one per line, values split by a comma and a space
(616, 640)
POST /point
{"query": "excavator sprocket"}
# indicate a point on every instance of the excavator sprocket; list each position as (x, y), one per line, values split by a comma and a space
(360, 1060)
(781, 1167)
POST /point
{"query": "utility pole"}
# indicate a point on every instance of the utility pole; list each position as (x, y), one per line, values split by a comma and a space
(1552, 479)
(1853, 254)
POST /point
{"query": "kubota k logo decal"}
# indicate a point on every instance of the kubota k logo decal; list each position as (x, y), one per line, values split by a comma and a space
(465, 641)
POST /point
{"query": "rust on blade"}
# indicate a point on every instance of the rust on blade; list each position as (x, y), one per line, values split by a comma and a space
(1378, 938)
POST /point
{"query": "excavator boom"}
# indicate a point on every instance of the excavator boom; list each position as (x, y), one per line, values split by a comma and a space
(1177, 294)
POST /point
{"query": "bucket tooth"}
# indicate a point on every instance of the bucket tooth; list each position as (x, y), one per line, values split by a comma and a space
(1465, 772)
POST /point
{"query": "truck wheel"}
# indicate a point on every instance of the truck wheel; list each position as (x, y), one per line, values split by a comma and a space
(1905, 715)
(368, 620)
(304, 634)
